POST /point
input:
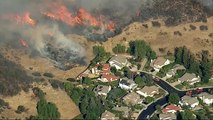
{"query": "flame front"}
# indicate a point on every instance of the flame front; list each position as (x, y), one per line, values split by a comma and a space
(61, 13)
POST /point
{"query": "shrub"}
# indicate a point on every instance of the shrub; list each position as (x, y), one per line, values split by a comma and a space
(20, 109)
(36, 74)
(156, 24)
(203, 27)
(192, 27)
(50, 75)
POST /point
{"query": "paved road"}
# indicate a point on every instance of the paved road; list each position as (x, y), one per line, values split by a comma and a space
(151, 108)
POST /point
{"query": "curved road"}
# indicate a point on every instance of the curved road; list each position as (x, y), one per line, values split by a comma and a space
(151, 108)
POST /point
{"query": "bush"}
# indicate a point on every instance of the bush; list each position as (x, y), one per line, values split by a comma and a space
(36, 74)
(20, 109)
(156, 24)
(56, 84)
(148, 100)
(192, 27)
(203, 28)
(119, 49)
(50, 75)
(177, 33)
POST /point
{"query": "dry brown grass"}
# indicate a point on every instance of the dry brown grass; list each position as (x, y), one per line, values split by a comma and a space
(65, 105)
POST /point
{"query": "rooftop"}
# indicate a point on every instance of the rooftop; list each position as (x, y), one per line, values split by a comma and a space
(189, 100)
(206, 95)
(108, 116)
(132, 98)
(149, 89)
(168, 116)
(119, 59)
(171, 107)
(159, 61)
(187, 76)
(126, 81)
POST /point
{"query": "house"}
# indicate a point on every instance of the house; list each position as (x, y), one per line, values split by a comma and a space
(174, 70)
(167, 116)
(102, 90)
(108, 78)
(125, 110)
(206, 98)
(171, 109)
(148, 91)
(108, 116)
(188, 77)
(189, 101)
(105, 69)
(127, 84)
(118, 62)
(132, 98)
(158, 63)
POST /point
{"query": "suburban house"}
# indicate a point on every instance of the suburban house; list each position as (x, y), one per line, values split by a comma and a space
(108, 78)
(105, 69)
(118, 62)
(190, 78)
(102, 90)
(206, 98)
(189, 101)
(125, 110)
(158, 63)
(127, 84)
(108, 116)
(132, 98)
(171, 109)
(148, 91)
(173, 71)
(167, 116)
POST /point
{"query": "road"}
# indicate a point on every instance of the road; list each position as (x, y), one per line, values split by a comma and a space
(151, 108)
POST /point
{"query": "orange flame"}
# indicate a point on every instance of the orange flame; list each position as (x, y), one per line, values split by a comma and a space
(61, 13)
(21, 19)
(23, 43)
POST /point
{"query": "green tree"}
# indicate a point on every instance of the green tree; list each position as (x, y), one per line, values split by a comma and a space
(68, 87)
(178, 55)
(158, 108)
(174, 98)
(87, 80)
(205, 67)
(187, 115)
(186, 57)
(119, 49)
(140, 81)
(113, 70)
(149, 99)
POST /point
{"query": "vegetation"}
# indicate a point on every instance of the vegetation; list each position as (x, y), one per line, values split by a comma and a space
(119, 49)
(185, 57)
(45, 110)
(148, 100)
(20, 109)
(116, 94)
(165, 69)
(50, 75)
(140, 81)
(187, 115)
(140, 50)
(100, 55)
(174, 98)
(13, 78)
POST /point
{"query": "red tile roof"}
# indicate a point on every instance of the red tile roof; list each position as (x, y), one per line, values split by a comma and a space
(110, 77)
(171, 107)
(105, 69)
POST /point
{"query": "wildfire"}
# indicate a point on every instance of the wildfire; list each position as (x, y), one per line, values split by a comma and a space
(23, 43)
(21, 19)
(61, 13)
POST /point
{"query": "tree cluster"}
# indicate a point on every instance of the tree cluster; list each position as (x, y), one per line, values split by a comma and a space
(119, 49)
(140, 50)
(185, 57)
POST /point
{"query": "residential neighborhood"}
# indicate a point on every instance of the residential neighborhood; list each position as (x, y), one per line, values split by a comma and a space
(128, 92)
